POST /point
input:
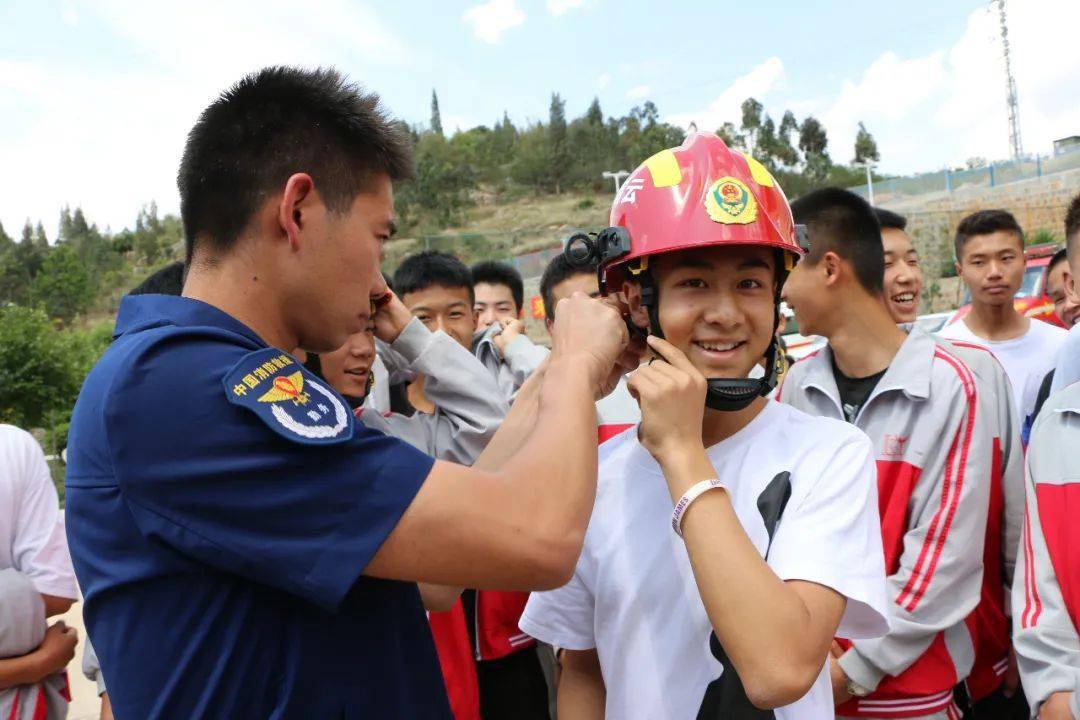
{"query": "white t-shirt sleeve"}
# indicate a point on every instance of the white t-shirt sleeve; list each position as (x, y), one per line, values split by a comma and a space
(833, 536)
(1067, 371)
(39, 545)
(563, 617)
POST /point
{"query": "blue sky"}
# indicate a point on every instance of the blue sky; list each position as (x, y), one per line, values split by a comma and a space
(95, 98)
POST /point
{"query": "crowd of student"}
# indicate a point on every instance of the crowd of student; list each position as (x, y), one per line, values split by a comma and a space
(884, 529)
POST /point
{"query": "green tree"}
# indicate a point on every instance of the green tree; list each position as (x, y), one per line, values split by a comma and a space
(752, 112)
(557, 140)
(865, 147)
(40, 239)
(731, 136)
(814, 142)
(63, 285)
(436, 116)
(38, 372)
(785, 148)
(441, 188)
(594, 116)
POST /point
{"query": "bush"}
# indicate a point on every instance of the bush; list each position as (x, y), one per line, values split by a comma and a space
(42, 367)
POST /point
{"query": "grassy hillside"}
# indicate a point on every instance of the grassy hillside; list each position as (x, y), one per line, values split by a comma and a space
(500, 228)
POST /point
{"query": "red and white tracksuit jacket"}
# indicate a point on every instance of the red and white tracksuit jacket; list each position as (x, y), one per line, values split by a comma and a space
(497, 635)
(989, 624)
(1046, 592)
(933, 437)
(615, 413)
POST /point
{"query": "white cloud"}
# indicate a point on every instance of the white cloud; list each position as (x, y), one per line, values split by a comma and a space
(109, 140)
(561, 7)
(638, 92)
(944, 107)
(603, 81)
(490, 20)
(727, 106)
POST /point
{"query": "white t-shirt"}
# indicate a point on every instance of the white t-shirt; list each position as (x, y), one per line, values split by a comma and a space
(1026, 359)
(633, 596)
(1068, 361)
(32, 539)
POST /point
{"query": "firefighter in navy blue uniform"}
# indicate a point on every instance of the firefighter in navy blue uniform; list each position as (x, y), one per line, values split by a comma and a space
(246, 549)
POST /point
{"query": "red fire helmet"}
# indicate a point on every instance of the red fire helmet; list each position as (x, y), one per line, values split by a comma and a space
(700, 194)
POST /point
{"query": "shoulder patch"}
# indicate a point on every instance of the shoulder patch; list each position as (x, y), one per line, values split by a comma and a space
(289, 398)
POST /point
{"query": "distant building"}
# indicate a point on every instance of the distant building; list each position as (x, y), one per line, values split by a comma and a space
(1066, 145)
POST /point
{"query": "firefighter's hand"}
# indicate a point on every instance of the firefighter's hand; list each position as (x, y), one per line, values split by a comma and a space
(594, 332)
(671, 393)
(391, 317)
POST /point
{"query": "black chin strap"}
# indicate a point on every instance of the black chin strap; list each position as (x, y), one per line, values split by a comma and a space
(724, 394)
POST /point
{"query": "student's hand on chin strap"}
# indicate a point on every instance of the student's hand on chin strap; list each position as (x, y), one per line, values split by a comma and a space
(510, 330)
(391, 316)
(671, 393)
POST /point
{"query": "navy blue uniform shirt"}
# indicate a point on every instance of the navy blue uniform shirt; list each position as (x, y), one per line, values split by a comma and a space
(221, 505)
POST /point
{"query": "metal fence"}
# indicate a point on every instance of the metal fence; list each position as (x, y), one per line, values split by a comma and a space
(993, 174)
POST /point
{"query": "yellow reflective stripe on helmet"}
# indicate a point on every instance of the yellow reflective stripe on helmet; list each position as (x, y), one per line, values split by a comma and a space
(759, 173)
(664, 168)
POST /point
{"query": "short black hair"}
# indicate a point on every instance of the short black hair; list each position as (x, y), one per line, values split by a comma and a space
(273, 123)
(494, 272)
(890, 219)
(169, 280)
(1072, 226)
(984, 222)
(1058, 257)
(557, 270)
(432, 267)
(840, 221)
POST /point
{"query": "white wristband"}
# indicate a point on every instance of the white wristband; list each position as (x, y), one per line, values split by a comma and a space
(691, 495)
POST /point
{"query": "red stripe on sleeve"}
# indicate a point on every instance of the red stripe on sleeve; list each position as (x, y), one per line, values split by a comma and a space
(915, 588)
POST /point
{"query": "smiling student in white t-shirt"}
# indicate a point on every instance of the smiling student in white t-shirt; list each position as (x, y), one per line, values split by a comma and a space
(732, 538)
(990, 260)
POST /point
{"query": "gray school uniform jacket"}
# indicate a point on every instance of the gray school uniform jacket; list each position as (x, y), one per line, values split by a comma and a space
(1005, 521)
(469, 405)
(91, 666)
(932, 432)
(22, 629)
(1046, 592)
(513, 366)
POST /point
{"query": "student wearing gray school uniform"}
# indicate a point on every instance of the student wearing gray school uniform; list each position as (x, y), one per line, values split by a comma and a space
(468, 404)
(1046, 591)
(993, 682)
(501, 342)
(933, 436)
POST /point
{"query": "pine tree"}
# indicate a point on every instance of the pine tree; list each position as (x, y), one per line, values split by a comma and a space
(40, 240)
(594, 115)
(6, 241)
(65, 226)
(557, 141)
(436, 117)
